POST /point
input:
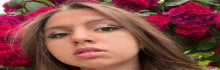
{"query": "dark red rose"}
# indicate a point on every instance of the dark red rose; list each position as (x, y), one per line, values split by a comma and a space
(200, 38)
(213, 64)
(8, 9)
(193, 31)
(218, 26)
(192, 13)
(217, 50)
(131, 5)
(211, 18)
(159, 20)
(219, 43)
(194, 8)
(152, 3)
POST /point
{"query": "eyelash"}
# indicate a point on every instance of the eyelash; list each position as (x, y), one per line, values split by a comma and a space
(54, 35)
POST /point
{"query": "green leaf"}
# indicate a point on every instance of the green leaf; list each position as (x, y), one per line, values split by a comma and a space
(215, 57)
(175, 2)
(47, 1)
(101, 0)
(161, 7)
(204, 4)
(18, 12)
(108, 2)
(143, 11)
(218, 64)
(207, 44)
(145, 14)
(12, 3)
(203, 63)
(214, 2)
(32, 6)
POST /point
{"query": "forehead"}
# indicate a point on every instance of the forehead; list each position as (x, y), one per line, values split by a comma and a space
(74, 16)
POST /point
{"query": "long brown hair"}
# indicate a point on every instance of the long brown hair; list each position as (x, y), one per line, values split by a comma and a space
(158, 51)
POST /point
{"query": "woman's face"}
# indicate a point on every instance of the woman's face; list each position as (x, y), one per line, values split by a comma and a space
(69, 31)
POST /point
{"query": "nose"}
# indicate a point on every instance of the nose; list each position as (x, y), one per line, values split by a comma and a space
(81, 37)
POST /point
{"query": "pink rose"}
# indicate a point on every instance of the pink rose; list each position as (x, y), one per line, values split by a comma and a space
(194, 31)
(213, 64)
(39, 11)
(4, 29)
(211, 18)
(152, 3)
(11, 57)
(12, 19)
(159, 20)
(132, 5)
(8, 9)
(217, 50)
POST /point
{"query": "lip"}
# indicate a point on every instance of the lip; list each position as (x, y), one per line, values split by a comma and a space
(80, 50)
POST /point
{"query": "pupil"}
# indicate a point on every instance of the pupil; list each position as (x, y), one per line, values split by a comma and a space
(63, 34)
(107, 28)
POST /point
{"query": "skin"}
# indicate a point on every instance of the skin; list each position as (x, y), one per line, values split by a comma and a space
(121, 48)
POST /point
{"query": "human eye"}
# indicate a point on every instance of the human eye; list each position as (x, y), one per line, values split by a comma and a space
(108, 28)
(58, 35)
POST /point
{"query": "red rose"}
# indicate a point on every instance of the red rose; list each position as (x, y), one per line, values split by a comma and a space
(213, 64)
(192, 13)
(39, 11)
(194, 31)
(217, 50)
(17, 59)
(218, 26)
(194, 8)
(5, 27)
(12, 19)
(152, 3)
(158, 20)
(11, 57)
(212, 18)
(132, 5)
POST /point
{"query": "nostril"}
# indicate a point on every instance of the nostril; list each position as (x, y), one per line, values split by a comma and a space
(88, 40)
(76, 42)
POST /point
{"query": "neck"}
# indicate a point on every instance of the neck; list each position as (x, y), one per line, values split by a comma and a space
(132, 64)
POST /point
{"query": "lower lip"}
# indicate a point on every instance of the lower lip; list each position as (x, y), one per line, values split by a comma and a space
(89, 54)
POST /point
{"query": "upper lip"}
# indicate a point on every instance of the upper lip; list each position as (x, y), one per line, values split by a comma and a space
(80, 50)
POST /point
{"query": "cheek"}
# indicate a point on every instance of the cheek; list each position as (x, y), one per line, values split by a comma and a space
(60, 48)
(123, 44)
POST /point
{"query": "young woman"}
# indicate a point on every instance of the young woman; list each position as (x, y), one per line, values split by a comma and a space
(87, 36)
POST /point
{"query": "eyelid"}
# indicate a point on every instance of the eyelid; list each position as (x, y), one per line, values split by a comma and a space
(54, 33)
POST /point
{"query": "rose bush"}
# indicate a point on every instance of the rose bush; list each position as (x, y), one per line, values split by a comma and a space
(194, 24)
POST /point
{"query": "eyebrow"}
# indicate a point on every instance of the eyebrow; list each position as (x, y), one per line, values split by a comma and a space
(91, 21)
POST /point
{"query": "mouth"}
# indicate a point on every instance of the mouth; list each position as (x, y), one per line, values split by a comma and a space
(88, 50)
